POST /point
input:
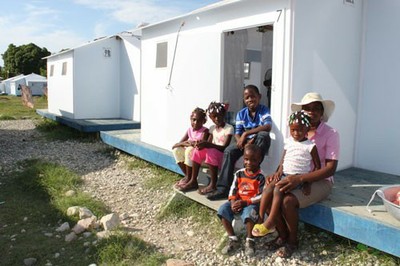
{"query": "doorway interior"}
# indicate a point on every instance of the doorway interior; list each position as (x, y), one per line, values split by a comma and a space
(247, 60)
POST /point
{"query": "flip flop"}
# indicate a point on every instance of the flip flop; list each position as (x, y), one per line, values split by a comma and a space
(261, 230)
(205, 191)
(185, 188)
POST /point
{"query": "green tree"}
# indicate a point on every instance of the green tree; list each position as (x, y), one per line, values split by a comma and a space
(24, 59)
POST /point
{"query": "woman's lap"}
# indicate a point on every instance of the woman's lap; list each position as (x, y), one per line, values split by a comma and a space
(320, 190)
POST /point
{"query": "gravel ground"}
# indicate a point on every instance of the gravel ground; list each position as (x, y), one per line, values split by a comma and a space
(108, 179)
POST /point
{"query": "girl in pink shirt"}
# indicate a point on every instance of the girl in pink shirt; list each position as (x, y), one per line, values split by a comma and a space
(211, 151)
(182, 150)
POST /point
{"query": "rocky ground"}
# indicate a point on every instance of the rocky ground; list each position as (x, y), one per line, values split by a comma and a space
(108, 179)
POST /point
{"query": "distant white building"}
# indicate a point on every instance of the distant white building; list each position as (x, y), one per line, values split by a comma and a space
(5, 85)
(36, 83)
(99, 79)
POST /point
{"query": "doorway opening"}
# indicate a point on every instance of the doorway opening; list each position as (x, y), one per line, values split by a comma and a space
(247, 60)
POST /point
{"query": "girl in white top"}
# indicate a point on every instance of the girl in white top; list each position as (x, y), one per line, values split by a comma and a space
(298, 156)
(211, 151)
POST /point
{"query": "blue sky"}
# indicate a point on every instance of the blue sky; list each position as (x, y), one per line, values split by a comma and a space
(60, 24)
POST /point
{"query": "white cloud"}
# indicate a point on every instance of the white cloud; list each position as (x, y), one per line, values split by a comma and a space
(133, 12)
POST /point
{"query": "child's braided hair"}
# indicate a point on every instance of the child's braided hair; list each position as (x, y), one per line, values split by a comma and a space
(201, 113)
(300, 117)
(217, 108)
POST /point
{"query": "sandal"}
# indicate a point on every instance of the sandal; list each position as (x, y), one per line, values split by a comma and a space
(275, 244)
(286, 250)
(206, 190)
(188, 187)
(261, 230)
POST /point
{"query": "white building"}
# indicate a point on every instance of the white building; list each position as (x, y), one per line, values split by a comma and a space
(36, 83)
(346, 50)
(6, 84)
(99, 79)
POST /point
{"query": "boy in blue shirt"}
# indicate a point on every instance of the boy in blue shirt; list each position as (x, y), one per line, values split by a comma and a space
(253, 124)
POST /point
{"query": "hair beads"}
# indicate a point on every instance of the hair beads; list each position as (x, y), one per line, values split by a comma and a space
(300, 117)
(216, 108)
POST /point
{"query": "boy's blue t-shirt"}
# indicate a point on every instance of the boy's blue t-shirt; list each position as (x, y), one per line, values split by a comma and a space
(244, 122)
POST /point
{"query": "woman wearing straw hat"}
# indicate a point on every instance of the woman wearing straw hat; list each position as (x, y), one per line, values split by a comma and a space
(327, 141)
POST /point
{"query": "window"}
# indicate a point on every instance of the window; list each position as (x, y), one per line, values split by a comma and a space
(64, 69)
(162, 52)
(51, 70)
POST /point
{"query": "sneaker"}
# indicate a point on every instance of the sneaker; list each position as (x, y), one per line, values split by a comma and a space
(249, 248)
(230, 247)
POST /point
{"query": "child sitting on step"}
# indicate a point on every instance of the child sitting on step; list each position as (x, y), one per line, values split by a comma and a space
(211, 151)
(244, 197)
(182, 150)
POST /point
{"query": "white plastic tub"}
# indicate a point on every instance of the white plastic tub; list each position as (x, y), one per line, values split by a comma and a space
(388, 194)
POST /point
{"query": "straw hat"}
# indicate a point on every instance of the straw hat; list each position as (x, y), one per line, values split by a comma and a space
(310, 97)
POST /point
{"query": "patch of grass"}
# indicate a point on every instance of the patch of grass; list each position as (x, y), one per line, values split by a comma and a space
(35, 204)
(56, 131)
(123, 249)
(181, 207)
(157, 177)
(11, 107)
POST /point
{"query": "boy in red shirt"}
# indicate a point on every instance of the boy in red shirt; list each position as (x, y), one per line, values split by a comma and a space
(244, 197)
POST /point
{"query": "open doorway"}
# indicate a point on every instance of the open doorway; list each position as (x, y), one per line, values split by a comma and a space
(247, 60)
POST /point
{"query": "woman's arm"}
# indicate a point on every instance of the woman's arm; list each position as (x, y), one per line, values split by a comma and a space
(292, 181)
(315, 158)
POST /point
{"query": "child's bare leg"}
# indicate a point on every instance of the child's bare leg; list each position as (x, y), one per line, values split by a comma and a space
(249, 227)
(192, 182)
(185, 179)
(275, 209)
(228, 227)
(213, 182)
(266, 199)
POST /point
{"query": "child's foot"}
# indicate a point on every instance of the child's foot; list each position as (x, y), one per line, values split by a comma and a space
(207, 190)
(181, 182)
(189, 186)
(230, 247)
(261, 230)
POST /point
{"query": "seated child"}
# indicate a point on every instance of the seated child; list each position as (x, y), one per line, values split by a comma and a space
(298, 154)
(244, 196)
(211, 151)
(182, 150)
(253, 124)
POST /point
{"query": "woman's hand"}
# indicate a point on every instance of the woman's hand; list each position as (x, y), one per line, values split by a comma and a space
(288, 183)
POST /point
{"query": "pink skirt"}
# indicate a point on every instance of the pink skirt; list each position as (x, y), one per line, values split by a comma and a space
(210, 156)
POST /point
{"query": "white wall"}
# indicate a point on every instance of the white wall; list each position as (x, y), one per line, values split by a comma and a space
(37, 87)
(197, 74)
(130, 78)
(326, 59)
(96, 80)
(60, 87)
(378, 145)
